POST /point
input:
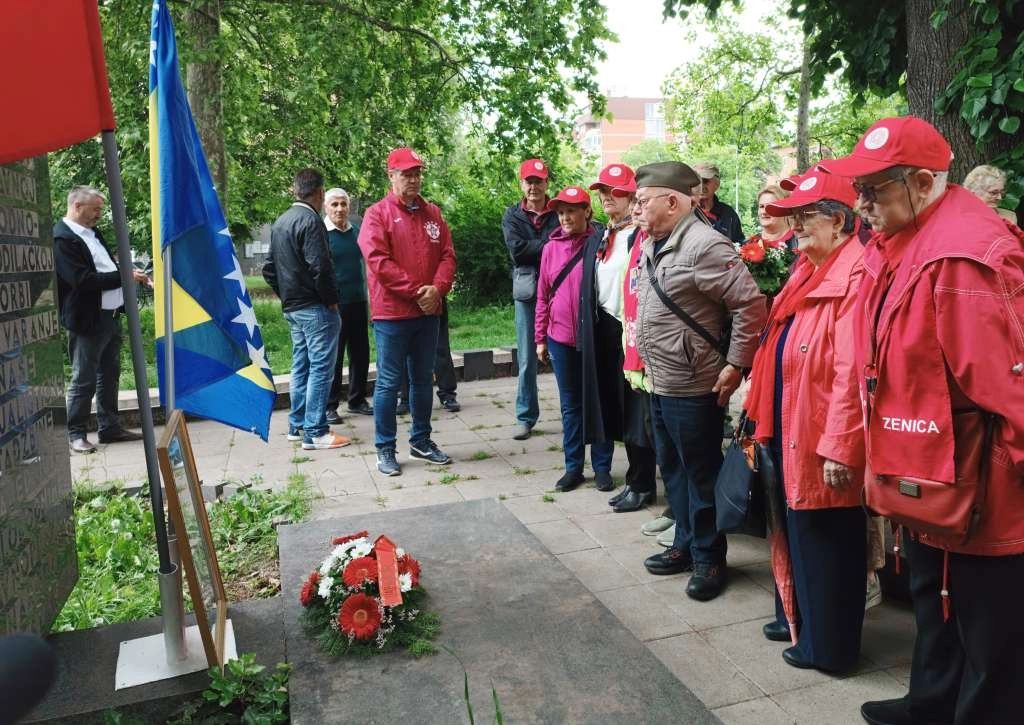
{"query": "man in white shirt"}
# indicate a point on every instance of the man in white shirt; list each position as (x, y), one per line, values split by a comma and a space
(91, 303)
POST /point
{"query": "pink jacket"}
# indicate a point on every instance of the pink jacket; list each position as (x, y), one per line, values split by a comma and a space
(558, 318)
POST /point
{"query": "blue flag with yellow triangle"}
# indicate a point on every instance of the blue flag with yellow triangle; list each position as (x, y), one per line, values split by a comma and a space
(220, 366)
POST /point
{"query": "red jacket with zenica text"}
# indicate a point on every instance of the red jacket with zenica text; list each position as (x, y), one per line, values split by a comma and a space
(950, 335)
(404, 250)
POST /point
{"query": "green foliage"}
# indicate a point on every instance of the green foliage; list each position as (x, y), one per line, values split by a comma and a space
(244, 693)
(650, 151)
(118, 564)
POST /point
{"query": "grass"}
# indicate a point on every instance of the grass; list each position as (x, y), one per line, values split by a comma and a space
(480, 456)
(482, 327)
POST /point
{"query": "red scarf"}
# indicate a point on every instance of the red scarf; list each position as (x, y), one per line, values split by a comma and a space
(761, 398)
(631, 356)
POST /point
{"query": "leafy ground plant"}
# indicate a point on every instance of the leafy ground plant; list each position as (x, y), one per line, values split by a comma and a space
(117, 557)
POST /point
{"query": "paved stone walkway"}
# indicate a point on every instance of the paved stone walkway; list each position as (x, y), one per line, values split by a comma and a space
(715, 648)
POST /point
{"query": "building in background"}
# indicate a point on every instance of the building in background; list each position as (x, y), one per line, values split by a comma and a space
(632, 120)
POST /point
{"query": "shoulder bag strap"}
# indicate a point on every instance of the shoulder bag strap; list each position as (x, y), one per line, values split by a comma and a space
(681, 313)
(565, 272)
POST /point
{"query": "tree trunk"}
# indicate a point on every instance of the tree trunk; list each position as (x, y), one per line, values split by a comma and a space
(203, 80)
(803, 131)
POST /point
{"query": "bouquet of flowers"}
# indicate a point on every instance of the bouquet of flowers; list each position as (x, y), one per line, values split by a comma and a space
(366, 597)
(768, 262)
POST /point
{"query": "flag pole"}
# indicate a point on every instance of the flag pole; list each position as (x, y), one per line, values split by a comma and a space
(171, 600)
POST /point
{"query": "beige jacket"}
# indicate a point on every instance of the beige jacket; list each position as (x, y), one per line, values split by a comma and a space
(701, 271)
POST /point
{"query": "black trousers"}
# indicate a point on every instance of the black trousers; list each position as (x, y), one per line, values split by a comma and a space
(968, 670)
(642, 468)
(95, 371)
(355, 338)
(444, 368)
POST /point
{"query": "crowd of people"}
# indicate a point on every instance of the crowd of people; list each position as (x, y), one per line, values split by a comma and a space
(885, 378)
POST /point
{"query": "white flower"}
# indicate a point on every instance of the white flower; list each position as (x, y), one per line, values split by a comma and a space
(325, 568)
(362, 548)
(325, 587)
(399, 552)
(405, 582)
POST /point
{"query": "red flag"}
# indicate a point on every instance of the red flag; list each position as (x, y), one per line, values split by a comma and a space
(56, 91)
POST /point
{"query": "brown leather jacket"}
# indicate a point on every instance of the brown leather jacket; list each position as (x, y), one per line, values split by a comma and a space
(701, 271)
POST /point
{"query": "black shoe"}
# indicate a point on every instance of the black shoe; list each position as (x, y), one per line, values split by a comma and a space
(633, 501)
(603, 481)
(429, 452)
(361, 409)
(793, 658)
(451, 405)
(776, 632)
(333, 418)
(669, 561)
(119, 436)
(707, 581)
(387, 463)
(569, 481)
(402, 408)
(620, 495)
(892, 712)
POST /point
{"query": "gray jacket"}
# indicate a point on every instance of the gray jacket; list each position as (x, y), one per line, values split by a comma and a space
(701, 271)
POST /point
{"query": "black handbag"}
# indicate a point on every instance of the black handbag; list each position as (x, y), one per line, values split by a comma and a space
(740, 487)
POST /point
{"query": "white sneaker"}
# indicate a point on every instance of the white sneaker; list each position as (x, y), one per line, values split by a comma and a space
(667, 537)
(874, 593)
(326, 441)
(656, 526)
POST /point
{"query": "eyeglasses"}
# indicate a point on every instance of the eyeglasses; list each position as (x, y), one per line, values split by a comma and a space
(642, 203)
(869, 192)
(801, 217)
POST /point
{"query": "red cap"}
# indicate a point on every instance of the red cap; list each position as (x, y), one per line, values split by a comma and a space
(789, 183)
(815, 186)
(533, 167)
(571, 195)
(905, 141)
(618, 178)
(403, 158)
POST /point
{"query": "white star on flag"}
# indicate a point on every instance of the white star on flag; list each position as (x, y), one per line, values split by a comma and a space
(237, 276)
(245, 316)
(258, 356)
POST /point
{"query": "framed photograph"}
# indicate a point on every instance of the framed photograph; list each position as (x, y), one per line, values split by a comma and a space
(195, 544)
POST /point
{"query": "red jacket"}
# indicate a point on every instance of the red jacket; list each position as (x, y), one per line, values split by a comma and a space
(404, 251)
(950, 333)
(821, 415)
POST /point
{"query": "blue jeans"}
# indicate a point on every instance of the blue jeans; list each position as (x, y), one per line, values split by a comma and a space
(314, 333)
(527, 406)
(403, 345)
(688, 440)
(568, 364)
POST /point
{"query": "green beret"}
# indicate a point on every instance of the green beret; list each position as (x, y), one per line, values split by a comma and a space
(669, 175)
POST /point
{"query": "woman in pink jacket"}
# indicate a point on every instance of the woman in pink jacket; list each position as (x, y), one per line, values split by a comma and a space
(805, 402)
(557, 325)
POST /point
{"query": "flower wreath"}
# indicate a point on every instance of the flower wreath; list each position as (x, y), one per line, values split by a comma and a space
(768, 261)
(344, 606)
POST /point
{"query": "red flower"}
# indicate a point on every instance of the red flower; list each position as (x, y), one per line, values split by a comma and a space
(350, 537)
(752, 252)
(309, 589)
(359, 616)
(360, 569)
(408, 565)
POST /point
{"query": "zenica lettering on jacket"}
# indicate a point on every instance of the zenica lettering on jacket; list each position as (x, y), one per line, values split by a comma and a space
(909, 425)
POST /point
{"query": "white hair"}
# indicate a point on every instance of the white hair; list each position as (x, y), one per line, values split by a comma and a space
(336, 191)
(82, 194)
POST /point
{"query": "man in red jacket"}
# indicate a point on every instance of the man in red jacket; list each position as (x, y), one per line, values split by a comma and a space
(410, 267)
(939, 333)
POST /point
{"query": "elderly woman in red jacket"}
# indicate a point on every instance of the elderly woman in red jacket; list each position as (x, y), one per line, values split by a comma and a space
(805, 402)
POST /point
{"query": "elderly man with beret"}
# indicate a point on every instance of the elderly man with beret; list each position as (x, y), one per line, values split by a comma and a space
(691, 282)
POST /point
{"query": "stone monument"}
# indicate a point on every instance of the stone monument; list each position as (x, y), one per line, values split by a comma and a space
(38, 561)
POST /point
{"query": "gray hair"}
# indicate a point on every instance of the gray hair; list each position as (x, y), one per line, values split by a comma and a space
(336, 191)
(832, 207)
(982, 177)
(82, 194)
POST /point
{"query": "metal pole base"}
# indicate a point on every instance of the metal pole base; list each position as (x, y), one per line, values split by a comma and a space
(172, 606)
(144, 660)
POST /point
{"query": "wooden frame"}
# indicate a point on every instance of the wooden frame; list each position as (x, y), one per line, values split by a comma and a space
(195, 543)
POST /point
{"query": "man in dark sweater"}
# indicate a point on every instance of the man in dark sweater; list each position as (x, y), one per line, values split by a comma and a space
(299, 269)
(723, 217)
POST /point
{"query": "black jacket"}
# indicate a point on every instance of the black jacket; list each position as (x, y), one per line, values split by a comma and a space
(727, 221)
(523, 239)
(79, 286)
(299, 267)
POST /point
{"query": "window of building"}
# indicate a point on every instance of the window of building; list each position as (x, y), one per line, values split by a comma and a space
(654, 121)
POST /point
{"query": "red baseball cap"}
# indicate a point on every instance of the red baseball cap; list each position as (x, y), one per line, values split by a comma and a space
(812, 187)
(533, 167)
(902, 141)
(618, 178)
(403, 158)
(789, 183)
(571, 195)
